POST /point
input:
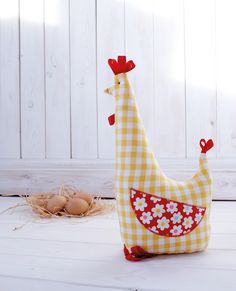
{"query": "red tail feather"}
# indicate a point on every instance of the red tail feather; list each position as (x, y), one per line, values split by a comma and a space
(206, 145)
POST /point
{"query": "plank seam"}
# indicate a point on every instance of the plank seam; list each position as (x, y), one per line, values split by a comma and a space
(70, 105)
(185, 82)
(96, 61)
(20, 103)
(45, 84)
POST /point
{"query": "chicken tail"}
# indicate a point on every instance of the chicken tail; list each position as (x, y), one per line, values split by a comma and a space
(206, 145)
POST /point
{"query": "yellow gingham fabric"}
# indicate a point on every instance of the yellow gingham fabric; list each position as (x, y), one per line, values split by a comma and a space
(136, 167)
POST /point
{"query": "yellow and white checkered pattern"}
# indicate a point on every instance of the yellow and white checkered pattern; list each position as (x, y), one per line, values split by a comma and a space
(136, 167)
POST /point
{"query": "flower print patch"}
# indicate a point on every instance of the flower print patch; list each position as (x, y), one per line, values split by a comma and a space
(158, 210)
(146, 217)
(163, 216)
(172, 207)
(163, 223)
(140, 204)
(176, 218)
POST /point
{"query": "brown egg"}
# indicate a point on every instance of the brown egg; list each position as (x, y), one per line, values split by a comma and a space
(56, 203)
(88, 198)
(76, 206)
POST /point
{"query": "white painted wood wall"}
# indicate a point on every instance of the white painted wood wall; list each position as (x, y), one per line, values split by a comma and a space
(53, 70)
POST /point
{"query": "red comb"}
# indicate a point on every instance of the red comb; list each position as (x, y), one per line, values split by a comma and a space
(121, 66)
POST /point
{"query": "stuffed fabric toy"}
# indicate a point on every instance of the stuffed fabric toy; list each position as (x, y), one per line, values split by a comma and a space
(157, 215)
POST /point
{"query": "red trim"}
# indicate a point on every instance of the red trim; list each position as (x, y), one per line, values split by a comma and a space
(137, 254)
(121, 66)
(206, 145)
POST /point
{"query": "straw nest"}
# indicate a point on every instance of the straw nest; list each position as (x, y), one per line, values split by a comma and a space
(39, 202)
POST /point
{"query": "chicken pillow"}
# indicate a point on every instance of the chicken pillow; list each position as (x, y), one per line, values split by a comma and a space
(157, 215)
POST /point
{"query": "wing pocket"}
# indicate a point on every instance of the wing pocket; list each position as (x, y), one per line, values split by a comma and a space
(163, 216)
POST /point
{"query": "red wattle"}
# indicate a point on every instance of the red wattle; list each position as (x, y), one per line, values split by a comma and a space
(111, 119)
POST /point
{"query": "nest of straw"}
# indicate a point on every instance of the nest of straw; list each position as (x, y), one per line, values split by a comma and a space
(38, 203)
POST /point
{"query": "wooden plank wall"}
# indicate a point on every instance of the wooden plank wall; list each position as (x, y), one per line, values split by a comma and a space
(10, 124)
(53, 72)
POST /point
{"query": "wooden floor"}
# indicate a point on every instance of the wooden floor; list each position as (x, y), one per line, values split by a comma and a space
(70, 254)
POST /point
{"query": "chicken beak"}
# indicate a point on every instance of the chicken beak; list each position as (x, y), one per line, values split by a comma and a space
(109, 91)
